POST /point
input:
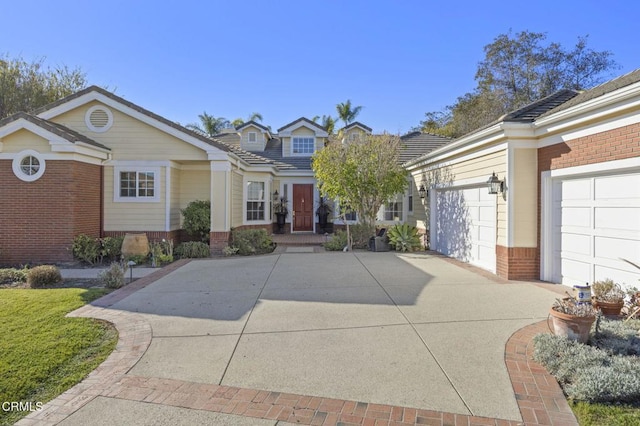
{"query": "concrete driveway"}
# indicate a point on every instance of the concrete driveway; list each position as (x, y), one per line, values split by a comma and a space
(409, 330)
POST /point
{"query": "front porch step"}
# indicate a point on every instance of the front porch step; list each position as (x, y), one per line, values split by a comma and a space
(306, 239)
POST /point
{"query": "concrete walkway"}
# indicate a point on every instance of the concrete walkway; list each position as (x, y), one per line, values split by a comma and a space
(318, 338)
(92, 273)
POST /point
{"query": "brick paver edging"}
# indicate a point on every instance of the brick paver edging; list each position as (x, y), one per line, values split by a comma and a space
(538, 394)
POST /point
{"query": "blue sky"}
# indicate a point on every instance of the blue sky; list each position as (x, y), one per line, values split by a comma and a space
(286, 59)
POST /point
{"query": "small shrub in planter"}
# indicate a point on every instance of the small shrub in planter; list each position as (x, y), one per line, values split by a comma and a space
(13, 275)
(197, 219)
(337, 242)
(252, 241)
(113, 277)
(86, 249)
(43, 276)
(192, 250)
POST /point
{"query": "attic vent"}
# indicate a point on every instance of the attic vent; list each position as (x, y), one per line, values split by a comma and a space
(98, 119)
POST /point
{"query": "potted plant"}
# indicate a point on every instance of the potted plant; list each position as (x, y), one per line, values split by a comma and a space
(571, 319)
(608, 296)
(323, 212)
(282, 211)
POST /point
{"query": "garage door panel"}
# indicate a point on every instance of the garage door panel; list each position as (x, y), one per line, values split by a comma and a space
(576, 243)
(579, 189)
(487, 234)
(624, 277)
(575, 272)
(615, 248)
(627, 218)
(576, 216)
(488, 213)
(617, 187)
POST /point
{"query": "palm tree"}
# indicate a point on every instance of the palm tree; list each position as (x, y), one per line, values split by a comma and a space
(255, 116)
(346, 112)
(329, 123)
(209, 125)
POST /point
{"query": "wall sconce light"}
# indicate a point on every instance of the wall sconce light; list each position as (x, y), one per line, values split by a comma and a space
(494, 184)
(422, 191)
(275, 195)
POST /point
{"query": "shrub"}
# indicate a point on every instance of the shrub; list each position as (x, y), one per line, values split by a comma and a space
(197, 219)
(161, 251)
(111, 248)
(337, 242)
(360, 234)
(139, 259)
(43, 276)
(13, 275)
(112, 277)
(192, 250)
(593, 374)
(86, 249)
(229, 250)
(404, 237)
(251, 241)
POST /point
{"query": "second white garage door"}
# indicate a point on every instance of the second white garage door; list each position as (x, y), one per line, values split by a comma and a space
(465, 225)
(596, 224)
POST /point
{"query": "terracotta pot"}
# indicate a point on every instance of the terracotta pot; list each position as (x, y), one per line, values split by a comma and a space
(608, 309)
(570, 326)
(135, 245)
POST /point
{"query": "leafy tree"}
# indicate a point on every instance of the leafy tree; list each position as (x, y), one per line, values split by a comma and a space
(346, 112)
(519, 69)
(363, 174)
(209, 125)
(25, 86)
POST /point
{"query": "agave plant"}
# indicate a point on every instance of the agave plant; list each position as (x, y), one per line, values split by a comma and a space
(405, 237)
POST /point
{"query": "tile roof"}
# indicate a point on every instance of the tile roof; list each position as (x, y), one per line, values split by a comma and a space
(602, 89)
(253, 123)
(416, 144)
(529, 113)
(55, 128)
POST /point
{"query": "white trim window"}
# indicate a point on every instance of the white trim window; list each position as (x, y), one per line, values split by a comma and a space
(393, 209)
(350, 215)
(303, 145)
(28, 165)
(252, 137)
(137, 185)
(255, 201)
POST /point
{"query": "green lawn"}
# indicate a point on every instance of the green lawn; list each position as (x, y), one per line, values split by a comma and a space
(601, 414)
(42, 353)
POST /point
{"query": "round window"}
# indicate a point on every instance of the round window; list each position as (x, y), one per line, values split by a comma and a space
(28, 165)
(98, 119)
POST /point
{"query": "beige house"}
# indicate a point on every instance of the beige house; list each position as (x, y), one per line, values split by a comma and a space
(94, 163)
(567, 205)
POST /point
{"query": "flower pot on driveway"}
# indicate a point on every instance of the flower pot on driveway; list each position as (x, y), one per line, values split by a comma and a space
(572, 327)
(609, 309)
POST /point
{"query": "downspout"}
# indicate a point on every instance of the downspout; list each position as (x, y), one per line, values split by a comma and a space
(102, 194)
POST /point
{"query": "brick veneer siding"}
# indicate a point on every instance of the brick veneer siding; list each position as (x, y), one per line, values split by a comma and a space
(616, 144)
(218, 241)
(517, 263)
(39, 219)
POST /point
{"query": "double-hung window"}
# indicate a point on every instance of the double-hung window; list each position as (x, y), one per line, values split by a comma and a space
(137, 185)
(255, 201)
(393, 208)
(303, 145)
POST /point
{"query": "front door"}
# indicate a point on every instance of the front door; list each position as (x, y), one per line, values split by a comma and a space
(303, 207)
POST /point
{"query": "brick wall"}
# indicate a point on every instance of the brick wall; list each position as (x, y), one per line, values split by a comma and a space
(38, 220)
(617, 144)
(517, 263)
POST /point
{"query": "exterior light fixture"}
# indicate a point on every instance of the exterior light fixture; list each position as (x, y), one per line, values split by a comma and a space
(275, 195)
(422, 191)
(494, 184)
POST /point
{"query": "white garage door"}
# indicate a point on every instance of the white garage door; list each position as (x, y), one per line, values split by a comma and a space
(465, 226)
(596, 224)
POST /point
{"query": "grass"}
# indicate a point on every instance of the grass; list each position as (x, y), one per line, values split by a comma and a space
(602, 414)
(44, 353)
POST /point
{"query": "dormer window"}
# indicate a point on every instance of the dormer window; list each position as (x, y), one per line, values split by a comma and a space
(303, 145)
(253, 137)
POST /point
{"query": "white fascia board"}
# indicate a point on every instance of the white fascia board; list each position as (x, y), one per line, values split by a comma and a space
(318, 131)
(490, 135)
(435, 164)
(95, 96)
(628, 97)
(605, 167)
(139, 163)
(518, 131)
(294, 173)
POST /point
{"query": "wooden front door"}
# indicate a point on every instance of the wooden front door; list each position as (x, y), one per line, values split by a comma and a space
(303, 207)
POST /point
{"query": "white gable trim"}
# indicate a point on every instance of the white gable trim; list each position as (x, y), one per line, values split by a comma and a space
(95, 96)
(302, 123)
